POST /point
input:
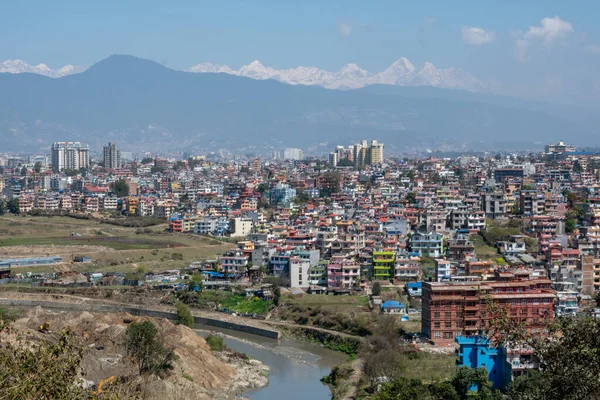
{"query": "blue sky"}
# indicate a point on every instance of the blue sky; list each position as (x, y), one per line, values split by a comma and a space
(504, 42)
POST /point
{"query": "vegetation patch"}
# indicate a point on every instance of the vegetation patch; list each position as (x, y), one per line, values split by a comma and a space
(216, 343)
(244, 305)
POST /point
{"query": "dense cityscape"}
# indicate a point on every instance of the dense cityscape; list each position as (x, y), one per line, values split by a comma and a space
(297, 200)
(449, 235)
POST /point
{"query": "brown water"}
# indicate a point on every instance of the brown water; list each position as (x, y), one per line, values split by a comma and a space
(295, 367)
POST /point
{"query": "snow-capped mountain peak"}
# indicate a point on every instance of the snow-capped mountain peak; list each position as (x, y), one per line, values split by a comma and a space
(402, 73)
(20, 66)
(212, 68)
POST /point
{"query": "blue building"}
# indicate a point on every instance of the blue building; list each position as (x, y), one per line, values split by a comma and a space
(414, 288)
(282, 194)
(393, 307)
(477, 351)
(30, 261)
(279, 264)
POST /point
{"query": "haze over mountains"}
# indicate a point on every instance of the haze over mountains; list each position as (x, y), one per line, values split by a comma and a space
(401, 73)
(144, 105)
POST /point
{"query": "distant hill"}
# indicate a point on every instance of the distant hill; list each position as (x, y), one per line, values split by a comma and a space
(142, 104)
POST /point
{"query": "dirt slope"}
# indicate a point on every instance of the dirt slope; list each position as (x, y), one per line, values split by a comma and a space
(198, 372)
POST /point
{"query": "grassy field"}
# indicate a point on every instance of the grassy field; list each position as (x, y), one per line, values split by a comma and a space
(413, 325)
(125, 244)
(328, 302)
(150, 249)
(429, 367)
(482, 249)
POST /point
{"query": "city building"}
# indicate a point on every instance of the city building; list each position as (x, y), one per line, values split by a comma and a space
(559, 148)
(293, 154)
(452, 309)
(383, 263)
(430, 244)
(240, 227)
(477, 351)
(375, 155)
(112, 156)
(282, 194)
(69, 155)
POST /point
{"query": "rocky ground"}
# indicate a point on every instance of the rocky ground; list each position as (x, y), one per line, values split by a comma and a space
(198, 372)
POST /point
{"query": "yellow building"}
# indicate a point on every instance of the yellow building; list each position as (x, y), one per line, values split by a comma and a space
(364, 154)
(132, 203)
(375, 153)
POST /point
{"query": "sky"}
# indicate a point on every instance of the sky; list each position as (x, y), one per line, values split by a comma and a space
(539, 49)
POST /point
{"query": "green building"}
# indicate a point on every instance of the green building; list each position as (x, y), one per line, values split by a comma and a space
(383, 264)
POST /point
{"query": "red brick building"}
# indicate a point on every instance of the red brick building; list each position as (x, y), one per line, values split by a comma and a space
(453, 309)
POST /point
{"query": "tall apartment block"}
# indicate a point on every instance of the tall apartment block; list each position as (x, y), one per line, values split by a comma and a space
(112, 156)
(365, 154)
(70, 155)
(293, 154)
(452, 309)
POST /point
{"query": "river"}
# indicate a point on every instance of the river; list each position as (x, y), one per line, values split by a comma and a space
(295, 367)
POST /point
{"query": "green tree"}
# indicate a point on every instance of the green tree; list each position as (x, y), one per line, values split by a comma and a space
(196, 281)
(332, 180)
(3, 207)
(37, 167)
(13, 206)
(184, 315)
(344, 162)
(530, 386)
(443, 391)
(71, 172)
(120, 187)
(276, 295)
(411, 197)
(376, 290)
(143, 345)
(147, 160)
(24, 171)
(44, 370)
(302, 197)
(569, 363)
(402, 389)
(466, 378)
(570, 225)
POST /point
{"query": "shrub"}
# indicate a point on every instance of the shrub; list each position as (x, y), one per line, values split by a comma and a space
(216, 343)
(376, 289)
(184, 315)
(149, 352)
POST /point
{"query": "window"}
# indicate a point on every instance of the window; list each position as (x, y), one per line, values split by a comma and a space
(437, 324)
(448, 324)
(437, 334)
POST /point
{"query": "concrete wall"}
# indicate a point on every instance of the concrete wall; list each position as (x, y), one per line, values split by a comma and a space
(273, 334)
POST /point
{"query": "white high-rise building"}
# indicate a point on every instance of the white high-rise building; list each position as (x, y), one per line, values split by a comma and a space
(293, 154)
(333, 159)
(70, 155)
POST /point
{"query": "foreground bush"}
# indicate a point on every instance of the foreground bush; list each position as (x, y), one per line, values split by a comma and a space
(216, 343)
(143, 345)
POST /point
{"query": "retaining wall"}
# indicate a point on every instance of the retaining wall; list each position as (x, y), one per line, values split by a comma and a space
(108, 308)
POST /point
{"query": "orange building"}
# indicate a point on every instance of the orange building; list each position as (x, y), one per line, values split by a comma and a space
(453, 309)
